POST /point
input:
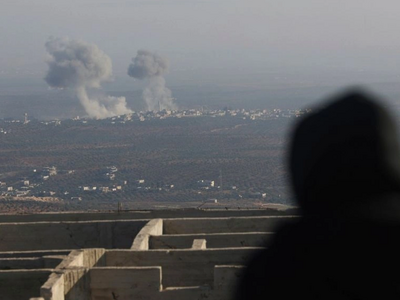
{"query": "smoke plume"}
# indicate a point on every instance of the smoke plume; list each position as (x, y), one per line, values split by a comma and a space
(150, 66)
(79, 65)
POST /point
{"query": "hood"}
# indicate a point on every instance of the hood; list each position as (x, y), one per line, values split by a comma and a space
(344, 154)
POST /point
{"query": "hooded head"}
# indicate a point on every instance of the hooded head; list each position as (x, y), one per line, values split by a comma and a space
(345, 153)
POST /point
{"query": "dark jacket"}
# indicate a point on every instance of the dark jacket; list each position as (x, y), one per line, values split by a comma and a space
(345, 170)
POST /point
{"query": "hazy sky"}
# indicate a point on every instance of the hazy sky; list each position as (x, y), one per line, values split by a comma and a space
(225, 37)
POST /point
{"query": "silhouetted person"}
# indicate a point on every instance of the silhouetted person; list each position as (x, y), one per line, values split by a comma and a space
(344, 162)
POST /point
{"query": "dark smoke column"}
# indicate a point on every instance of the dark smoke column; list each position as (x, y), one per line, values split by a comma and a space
(79, 65)
(150, 66)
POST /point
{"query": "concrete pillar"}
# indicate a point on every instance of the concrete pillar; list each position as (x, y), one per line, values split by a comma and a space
(199, 244)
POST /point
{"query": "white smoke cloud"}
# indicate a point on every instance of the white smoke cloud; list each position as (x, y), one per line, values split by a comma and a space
(103, 106)
(79, 65)
(157, 96)
(147, 64)
(151, 66)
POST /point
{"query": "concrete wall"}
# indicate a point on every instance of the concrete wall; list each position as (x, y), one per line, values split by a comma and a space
(53, 288)
(21, 263)
(45, 262)
(181, 268)
(192, 293)
(86, 258)
(75, 279)
(38, 253)
(148, 214)
(77, 283)
(52, 261)
(68, 235)
(76, 273)
(218, 225)
(147, 283)
(93, 257)
(22, 284)
(139, 283)
(153, 227)
(125, 283)
(214, 240)
(74, 259)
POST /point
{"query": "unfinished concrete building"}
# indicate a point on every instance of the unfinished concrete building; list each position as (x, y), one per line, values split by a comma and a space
(181, 254)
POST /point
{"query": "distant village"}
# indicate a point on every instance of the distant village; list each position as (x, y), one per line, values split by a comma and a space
(254, 114)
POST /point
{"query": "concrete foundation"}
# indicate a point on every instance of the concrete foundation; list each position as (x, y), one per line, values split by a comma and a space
(181, 267)
(197, 257)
